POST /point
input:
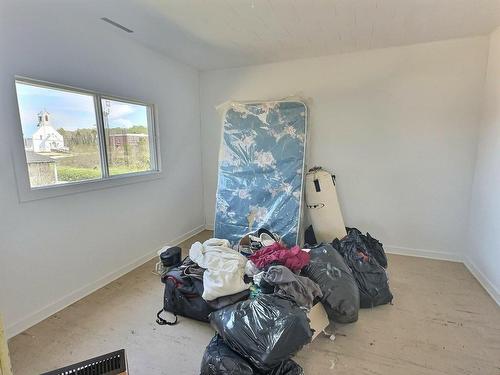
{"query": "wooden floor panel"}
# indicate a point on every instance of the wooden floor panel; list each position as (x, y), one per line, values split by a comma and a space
(442, 322)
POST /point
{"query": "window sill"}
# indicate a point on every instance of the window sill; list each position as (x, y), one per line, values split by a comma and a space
(27, 193)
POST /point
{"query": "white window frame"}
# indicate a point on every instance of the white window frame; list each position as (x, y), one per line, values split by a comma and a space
(28, 193)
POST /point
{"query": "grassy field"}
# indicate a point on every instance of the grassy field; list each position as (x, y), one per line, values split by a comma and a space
(83, 163)
(70, 174)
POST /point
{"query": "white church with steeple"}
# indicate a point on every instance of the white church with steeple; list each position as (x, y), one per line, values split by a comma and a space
(46, 138)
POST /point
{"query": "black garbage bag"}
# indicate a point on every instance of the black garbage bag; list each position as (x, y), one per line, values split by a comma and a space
(328, 269)
(309, 236)
(219, 359)
(373, 246)
(266, 330)
(288, 367)
(371, 277)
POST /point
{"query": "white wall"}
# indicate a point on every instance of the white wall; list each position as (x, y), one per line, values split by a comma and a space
(53, 251)
(398, 127)
(483, 251)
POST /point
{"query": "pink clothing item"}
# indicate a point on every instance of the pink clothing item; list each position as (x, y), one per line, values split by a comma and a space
(294, 258)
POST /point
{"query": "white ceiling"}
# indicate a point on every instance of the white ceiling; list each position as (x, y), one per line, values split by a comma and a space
(210, 34)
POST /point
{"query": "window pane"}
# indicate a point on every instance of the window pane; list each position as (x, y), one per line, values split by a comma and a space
(127, 137)
(60, 135)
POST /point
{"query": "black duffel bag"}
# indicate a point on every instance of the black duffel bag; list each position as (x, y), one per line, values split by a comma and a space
(183, 294)
(328, 269)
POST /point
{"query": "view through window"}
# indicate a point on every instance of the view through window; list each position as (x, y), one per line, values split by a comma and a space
(127, 136)
(64, 135)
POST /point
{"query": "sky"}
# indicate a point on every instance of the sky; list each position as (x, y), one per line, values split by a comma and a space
(70, 110)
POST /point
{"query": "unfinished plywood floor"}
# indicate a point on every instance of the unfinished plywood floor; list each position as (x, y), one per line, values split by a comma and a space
(442, 322)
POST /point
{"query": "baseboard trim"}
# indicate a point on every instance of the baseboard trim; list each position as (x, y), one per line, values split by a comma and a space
(185, 236)
(209, 227)
(45, 312)
(421, 253)
(483, 280)
(438, 255)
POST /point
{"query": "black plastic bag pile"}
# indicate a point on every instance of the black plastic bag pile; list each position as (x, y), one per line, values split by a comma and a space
(256, 336)
(366, 258)
(340, 292)
(267, 331)
(220, 359)
(259, 336)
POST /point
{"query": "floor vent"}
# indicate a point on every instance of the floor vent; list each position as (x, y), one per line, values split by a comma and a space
(109, 364)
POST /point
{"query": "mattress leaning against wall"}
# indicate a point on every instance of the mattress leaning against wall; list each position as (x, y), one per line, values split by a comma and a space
(261, 169)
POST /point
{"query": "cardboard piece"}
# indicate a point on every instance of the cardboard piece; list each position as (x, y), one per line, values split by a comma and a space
(319, 319)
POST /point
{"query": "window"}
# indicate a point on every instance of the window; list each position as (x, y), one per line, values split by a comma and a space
(72, 136)
(127, 136)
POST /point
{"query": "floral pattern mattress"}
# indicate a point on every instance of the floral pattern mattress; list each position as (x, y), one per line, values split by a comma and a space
(261, 170)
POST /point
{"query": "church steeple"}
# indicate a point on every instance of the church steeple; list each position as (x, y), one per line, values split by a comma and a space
(43, 118)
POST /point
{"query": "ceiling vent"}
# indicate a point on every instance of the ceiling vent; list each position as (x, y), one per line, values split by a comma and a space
(116, 24)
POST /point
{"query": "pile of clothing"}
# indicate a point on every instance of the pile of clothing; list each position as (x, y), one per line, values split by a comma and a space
(257, 296)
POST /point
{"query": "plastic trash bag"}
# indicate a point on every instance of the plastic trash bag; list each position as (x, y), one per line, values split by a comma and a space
(371, 277)
(289, 367)
(335, 279)
(219, 359)
(372, 245)
(266, 330)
